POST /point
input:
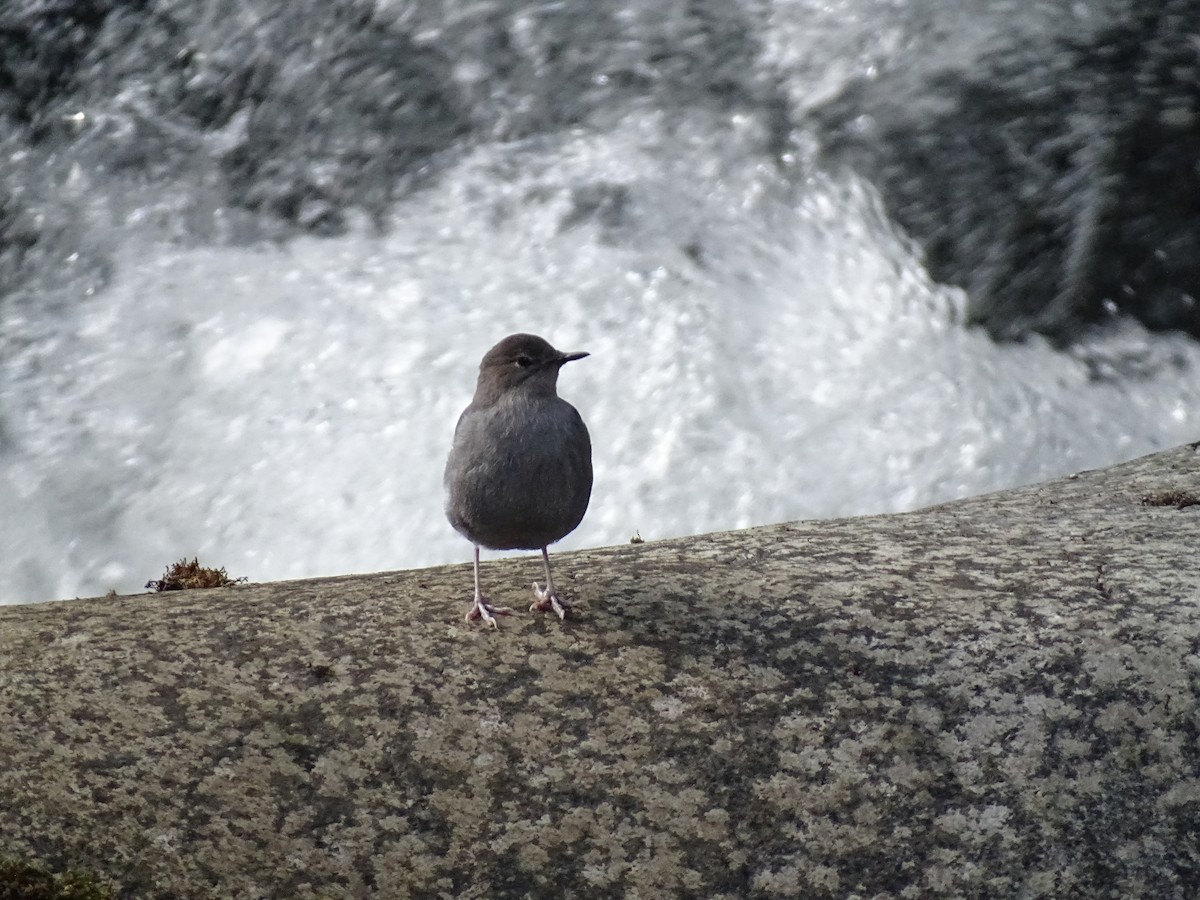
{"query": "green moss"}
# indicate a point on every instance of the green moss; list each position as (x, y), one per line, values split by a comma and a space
(20, 880)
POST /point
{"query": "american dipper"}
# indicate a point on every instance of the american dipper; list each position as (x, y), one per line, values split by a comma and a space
(519, 474)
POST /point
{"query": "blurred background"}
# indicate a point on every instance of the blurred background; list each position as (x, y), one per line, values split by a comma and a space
(830, 258)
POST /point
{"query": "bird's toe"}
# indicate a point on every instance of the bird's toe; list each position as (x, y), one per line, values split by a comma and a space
(549, 601)
(483, 609)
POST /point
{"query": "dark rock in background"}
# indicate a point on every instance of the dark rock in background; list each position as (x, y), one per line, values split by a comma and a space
(299, 111)
(1058, 184)
(1054, 178)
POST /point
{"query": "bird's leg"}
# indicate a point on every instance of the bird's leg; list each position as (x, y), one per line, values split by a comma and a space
(547, 598)
(483, 609)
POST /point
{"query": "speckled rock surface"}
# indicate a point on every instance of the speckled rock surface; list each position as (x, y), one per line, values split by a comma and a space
(992, 698)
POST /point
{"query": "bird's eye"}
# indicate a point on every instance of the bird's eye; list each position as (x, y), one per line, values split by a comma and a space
(524, 362)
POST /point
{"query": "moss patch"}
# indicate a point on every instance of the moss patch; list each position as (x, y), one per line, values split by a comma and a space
(20, 880)
(185, 576)
(1178, 499)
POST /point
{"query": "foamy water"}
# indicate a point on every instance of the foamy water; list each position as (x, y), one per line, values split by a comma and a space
(763, 348)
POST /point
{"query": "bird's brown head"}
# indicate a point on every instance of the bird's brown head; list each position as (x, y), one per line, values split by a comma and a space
(522, 362)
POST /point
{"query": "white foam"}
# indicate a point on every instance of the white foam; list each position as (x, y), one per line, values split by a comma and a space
(760, 352)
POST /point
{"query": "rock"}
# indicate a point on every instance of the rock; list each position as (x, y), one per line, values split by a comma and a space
(991, 698)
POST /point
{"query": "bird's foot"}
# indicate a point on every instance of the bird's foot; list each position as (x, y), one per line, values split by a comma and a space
(549, 601)
(483, 609)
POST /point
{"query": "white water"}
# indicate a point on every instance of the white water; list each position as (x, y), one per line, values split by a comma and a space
(759, 353)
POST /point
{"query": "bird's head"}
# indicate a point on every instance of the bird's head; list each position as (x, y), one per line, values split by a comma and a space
(523, 362)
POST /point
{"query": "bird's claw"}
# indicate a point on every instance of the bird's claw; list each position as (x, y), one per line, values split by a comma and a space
(483, 609)
(549, 601)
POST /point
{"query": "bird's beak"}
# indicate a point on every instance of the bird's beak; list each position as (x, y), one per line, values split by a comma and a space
(568, 357)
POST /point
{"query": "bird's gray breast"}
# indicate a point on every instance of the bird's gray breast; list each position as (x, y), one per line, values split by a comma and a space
(519, 473)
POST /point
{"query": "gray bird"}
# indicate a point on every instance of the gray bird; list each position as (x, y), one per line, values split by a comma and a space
(519, 475)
